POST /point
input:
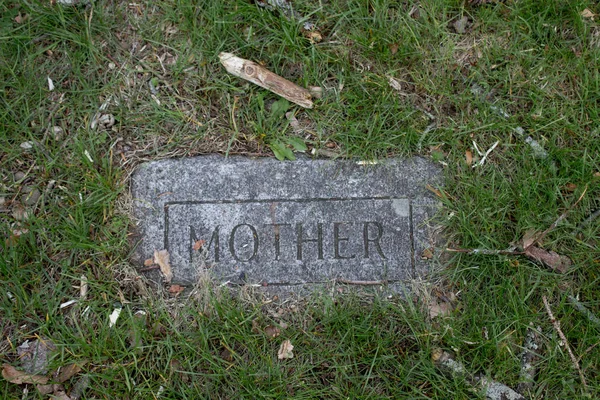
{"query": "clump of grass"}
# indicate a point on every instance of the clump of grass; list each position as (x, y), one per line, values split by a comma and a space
(155, 67)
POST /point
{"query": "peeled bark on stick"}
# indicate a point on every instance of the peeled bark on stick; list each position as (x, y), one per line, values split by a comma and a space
(259, 75)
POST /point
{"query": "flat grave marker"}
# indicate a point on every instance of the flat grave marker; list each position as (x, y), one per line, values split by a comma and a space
(288, 224)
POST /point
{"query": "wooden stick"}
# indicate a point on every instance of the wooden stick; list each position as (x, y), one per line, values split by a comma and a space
(556, 325)
(259, 75)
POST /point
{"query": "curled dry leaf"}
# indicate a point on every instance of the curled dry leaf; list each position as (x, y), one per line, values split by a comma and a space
(272, 331)
(587, 13)
(437, 309)
(13, 375)
(198, 244)
(427, 254)
(285, 350)
(530, 237)
(313, 36)
(148, 262)
(161, 257)
(255, 326)
(68, 371)
(549, 258)
(176, 289)
(469, 157)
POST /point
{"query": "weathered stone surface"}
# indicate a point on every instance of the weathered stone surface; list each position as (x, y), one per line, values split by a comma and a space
(286, 223)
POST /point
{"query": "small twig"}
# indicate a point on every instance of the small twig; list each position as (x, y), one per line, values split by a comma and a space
(583, 309)
(485, 251)
(559, 219)
(556, 325)
(587, 221)
(361, 283)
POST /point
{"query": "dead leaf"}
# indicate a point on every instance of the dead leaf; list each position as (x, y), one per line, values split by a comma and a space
(530, 237)
(393, 48)
(469, 157)
(161, 257)
(13, 375)
(272, 331)
(20, 18)
(596, 174)
(285, 350)
(435, 191)
(255, 326)
(549, 258)
(427, 254)
(437, 309)
(148, 262)
(587, 13)
(227, 354)
(34, 355)
(198, 244)
(176, 289)
(313, 36)
(45, 389)
(65, 373)
(571, 187)
(460, 25)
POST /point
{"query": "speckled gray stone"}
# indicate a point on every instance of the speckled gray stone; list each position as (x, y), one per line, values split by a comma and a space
(272, 223)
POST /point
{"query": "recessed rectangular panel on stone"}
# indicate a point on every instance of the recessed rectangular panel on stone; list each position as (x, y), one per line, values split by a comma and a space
(285, 223)
(293, 241)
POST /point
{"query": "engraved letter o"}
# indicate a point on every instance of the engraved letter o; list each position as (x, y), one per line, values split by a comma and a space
(232, 242)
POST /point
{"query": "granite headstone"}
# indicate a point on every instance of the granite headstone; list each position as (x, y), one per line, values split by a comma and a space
(273, 223)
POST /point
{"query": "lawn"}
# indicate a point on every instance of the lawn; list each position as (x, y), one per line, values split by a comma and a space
(504, 96)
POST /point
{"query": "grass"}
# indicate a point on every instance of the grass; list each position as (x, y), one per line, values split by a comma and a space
(537, 60)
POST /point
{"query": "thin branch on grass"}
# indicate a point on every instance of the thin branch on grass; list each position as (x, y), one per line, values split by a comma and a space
(556, 325)
(494, 390)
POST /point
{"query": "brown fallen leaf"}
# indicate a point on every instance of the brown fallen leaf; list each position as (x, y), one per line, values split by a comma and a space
(20, 18)
(272, 331)
(65, 373)
(227, 354)
(148, 262)
(469, 157)
(435, 191)
(571, 187)
(198, 244)
(393, 48)
(530, 237)
(549, 258)
(437, 309)
(285, 350)
(176, 289)
(45, 389)
(255, 326)
(313, 36)
(427, 254)
(161, 257)
(13, 375)
(587, 13)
